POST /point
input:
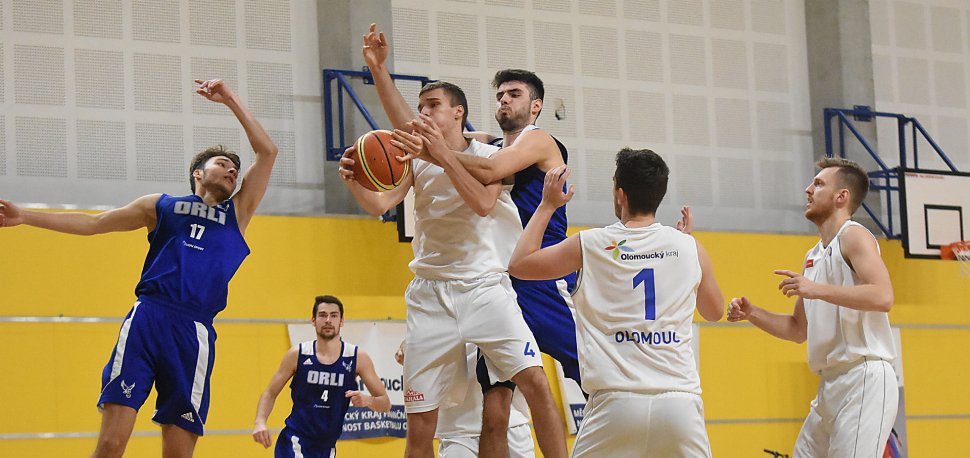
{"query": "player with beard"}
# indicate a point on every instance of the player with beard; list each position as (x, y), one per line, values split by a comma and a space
(844, 296)
(324, 373)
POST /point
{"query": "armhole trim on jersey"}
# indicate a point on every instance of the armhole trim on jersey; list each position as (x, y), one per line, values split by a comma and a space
(582, 263)
(306, 348)
(350, 350)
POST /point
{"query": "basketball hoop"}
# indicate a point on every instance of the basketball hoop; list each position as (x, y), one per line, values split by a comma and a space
(960, 251)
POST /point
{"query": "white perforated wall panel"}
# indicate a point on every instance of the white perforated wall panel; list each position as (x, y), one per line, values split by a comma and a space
(98, 99)
(921, 68)
(98, 18)
(41, 147)
(94, 71)
(101, 150)
(717, 87)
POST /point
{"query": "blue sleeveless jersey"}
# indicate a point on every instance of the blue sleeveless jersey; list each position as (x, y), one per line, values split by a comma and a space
(527, 193)
(318, 391)
(194, 251)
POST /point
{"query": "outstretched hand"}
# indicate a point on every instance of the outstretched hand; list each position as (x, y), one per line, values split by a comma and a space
(10, 214)
(358, 399)
(347, 163)
(552, 188)
(797, 285)
(686, 224)
(413, 146)
(214, 90)
(375, 48)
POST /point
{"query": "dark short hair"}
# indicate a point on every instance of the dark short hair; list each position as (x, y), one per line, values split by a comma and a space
(642, 174)
(536, 89)
(455, 93)
(850, 176)
(330, 300)
(199, 161)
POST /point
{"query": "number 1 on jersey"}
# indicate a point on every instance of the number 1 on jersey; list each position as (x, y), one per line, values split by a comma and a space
(649, 292)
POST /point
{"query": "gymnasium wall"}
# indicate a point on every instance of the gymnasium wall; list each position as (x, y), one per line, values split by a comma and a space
(719, 88)
(921, 63)
(756, 388)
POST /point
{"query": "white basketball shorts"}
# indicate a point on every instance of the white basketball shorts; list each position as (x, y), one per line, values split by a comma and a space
(442, 317)
(853, 413)
(621, 424)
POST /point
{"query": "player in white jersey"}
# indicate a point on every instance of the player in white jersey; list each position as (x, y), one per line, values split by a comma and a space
(461, 292)
(460, 427)
(844, 293)
(638, 287)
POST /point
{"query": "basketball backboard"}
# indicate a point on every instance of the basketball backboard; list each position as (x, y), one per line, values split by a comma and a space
(935, 210)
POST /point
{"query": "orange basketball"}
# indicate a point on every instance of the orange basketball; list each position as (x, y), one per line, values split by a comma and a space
(375, 166)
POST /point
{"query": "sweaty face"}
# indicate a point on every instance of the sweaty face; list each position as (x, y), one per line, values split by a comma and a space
(513, 106)
(328, 321)
(437, 104)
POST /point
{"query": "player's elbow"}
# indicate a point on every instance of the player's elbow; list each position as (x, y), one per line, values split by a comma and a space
(884, 303)
(484, 208)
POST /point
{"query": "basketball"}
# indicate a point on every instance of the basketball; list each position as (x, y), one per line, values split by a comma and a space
(375, 166)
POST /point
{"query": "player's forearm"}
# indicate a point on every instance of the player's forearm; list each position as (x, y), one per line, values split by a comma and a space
(396, 108)
(481, 198)
(374, 203)
(67, 222)
(264, 408)
(521, 265)
(258, 138)
(380, 403)
(868, 298)
(479, 167)
(782, 326)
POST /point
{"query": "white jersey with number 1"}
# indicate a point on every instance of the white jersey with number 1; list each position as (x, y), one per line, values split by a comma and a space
(635, 302)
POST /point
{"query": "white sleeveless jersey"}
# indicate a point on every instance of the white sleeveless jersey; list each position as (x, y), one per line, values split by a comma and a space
(451, 242)
(635, 301)
(837, 334)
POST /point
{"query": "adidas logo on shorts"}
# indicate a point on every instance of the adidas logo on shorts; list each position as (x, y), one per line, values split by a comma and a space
(188, 416)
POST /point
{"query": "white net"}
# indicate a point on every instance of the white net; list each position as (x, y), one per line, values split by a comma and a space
(963, 257)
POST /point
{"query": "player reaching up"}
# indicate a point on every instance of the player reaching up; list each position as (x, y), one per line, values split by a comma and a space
(196, 244)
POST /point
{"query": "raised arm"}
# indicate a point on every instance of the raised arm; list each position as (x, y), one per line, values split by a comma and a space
(710, 300)
(254, 183)
(529, 262)
(375, 203)
(268, 399)
(375, 55)
(136, 215)
(860, 250)
(378, 400)
(532, 147)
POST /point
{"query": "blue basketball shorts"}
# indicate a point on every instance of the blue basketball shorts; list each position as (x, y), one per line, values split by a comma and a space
(175, 353)
(548, 310)
(292, 445)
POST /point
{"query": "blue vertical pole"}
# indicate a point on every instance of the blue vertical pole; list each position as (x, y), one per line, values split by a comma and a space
(901, 128)
(327, 112)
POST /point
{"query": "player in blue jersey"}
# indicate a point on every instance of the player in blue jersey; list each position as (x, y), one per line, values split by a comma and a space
(196, 245)
(324, 373)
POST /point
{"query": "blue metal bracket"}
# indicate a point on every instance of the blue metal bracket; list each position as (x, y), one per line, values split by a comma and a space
(885, 179)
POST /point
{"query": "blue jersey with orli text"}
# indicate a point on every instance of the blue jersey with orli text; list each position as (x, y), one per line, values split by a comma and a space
(319, 393)
(194, 251)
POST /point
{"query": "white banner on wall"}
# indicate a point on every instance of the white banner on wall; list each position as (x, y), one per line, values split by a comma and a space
(380, 339)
